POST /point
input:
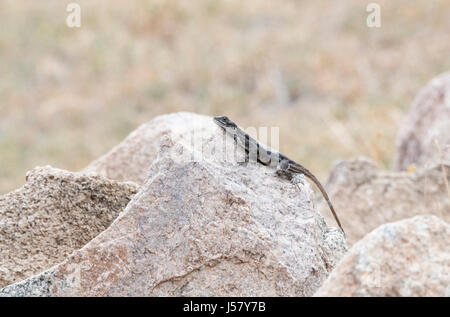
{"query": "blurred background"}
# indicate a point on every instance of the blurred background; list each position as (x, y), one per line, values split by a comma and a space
(335, 87)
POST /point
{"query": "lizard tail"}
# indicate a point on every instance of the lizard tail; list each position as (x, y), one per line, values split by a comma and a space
(322, 190)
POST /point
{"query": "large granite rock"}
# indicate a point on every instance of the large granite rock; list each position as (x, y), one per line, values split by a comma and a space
(427, 123)
(53, 214)
(365, 197)
(405, 258)
(198, 227)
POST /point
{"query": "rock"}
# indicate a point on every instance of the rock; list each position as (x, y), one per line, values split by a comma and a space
(128, 160)
(202, 227)
(366, 198)
(428, 120)
(405, 258)
(53, 214)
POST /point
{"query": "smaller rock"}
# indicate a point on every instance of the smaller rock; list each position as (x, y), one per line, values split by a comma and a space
(406, 258)
(365, 197)
(428, 122)
(53, 214)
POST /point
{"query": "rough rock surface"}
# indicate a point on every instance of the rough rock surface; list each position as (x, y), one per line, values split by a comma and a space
(366, 198)
(204, 227)
(405, 258)
(53, 214)
(127, 160)
(428, 120)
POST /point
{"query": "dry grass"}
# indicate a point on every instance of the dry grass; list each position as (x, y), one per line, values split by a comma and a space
(335, 87)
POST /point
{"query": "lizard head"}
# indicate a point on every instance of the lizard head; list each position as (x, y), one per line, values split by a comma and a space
(224, 122)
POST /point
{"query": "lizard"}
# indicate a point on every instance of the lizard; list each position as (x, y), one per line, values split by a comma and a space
(260, 153)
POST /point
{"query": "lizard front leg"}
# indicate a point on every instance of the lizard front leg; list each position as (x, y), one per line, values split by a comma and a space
(247, 156)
